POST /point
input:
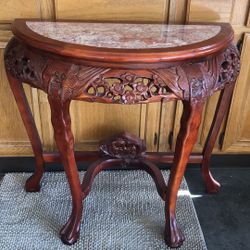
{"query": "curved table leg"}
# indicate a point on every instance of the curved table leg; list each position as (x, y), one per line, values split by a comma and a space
(61, 122)
(157, 176)
(104, 163)
(93, 170)
(187, 136)
(33, 183)
(212, 186)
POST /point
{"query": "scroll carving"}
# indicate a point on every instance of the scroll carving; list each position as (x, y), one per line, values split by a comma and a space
(64, 80)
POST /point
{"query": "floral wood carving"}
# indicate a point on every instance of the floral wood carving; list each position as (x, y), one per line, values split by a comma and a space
(221, 70)
(128, 88)
(123, 146)
(23, 64)
(230, 67)
(64, 80)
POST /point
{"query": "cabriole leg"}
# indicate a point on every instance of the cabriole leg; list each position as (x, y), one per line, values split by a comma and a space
(157, 176)
(190, 122)
(33, 183)
(61, 122)
(212, 186)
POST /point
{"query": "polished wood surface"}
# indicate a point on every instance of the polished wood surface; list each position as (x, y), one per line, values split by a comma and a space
(88, 156)
(99, 55)
(33, 183)
(157, 131)
(212, 186)
(190, 122)
(199, 70)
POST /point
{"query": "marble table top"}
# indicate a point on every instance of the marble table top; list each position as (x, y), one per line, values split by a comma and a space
(124, 36)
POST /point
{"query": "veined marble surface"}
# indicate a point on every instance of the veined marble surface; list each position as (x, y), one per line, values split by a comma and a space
(124, 36)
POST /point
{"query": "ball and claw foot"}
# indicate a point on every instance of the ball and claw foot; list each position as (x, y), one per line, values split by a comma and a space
(174, 238)
(33, 184)
(70, 232)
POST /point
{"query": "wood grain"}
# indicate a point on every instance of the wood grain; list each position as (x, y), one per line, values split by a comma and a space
(237, 134)
(192, 78)
(174, 11)
(5, 35)
(209, 11)
(166, 126)
(177, 11)
(95, 122)
(152, 122)
(124, 10)
(207, 121)
(47, 9)
(13, 137)
(248, 18)
(177, 122)
(240, 10)
(11, 9)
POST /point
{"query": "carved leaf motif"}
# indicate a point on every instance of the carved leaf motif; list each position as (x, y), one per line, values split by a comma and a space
(175, 79)
(73, 78)
(188, 81)
(215, 73)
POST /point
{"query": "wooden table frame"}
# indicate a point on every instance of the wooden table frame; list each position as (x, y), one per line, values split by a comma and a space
(68, 72)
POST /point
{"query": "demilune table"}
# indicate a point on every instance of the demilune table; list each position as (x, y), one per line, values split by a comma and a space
(123, 64)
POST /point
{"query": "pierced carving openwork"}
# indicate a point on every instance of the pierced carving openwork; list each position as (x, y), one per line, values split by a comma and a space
(125, 146)
(230, 66)
(24, 64)
(64, 80)
(129, 88)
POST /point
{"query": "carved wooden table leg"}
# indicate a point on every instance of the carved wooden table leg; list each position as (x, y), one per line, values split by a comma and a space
(203, 61)
(33, 183)
(157, 176)
(212, 186)
(61, 122)
(93, 170)
(190, 123)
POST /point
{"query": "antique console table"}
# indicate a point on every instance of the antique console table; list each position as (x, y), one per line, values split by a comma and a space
(122, 64)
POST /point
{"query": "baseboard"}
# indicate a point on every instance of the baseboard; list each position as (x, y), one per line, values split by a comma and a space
(26, 164)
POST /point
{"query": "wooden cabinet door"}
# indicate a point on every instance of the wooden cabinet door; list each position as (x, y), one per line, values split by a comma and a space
(237, 133)
(92, 122)
(113, 10)
(13, 136)
(208, 113)
(231, 11)
(158, 123)
(196, 11)
(235, 12)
